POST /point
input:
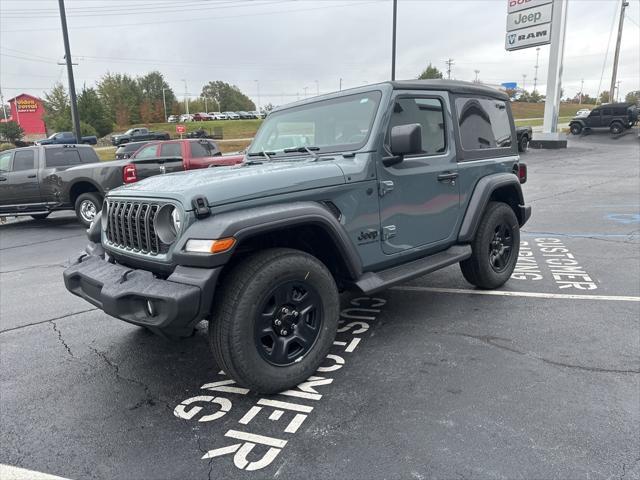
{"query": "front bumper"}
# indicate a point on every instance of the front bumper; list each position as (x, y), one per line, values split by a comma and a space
(172, 306)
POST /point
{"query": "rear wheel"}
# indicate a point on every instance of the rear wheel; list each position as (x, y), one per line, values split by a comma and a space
(524, 143)
(616, 128)
(87, 207)
(575, 128)
(275, 320)
(495, 248)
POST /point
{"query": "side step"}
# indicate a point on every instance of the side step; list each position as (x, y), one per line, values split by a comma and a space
(371, 282)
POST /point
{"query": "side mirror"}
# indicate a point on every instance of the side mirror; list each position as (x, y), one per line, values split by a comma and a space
(405, 140)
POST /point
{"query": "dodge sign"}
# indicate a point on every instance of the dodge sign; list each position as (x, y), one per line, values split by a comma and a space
(528, 23)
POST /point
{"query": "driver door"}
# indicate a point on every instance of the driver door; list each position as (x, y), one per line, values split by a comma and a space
(419, 197)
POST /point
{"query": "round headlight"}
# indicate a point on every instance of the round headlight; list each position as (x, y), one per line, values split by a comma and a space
(175, 220)
(167, 223)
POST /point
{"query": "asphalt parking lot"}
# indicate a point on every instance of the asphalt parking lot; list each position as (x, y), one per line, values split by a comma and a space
(431, 379)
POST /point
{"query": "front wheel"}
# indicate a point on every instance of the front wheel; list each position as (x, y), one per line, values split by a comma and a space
(575, 128)
(87, 207)
(494, 249)
(275, 320)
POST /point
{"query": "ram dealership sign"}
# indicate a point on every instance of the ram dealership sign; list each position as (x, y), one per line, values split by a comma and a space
(528, 23)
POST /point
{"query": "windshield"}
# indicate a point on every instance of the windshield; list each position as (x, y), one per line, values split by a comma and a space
(129, 132)
(332, 125)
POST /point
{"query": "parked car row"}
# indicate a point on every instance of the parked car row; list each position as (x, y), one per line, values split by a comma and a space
(203, 116)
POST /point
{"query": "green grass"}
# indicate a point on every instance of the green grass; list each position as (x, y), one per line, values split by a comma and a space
(536, 110)
(231, 129)
(538, 122)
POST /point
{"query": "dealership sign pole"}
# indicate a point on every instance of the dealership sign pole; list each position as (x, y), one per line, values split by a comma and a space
(531, 23)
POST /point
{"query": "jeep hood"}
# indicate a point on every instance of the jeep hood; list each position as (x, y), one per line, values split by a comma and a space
(222, 185)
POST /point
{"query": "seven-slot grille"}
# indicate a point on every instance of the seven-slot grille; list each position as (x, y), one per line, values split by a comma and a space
(130, 225)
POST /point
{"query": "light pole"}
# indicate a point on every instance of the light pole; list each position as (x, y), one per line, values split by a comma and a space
(186, 100)
(581, 90)
(305, 92)
(164, 103)
(535, 78)
(393, 40)
(75, 118)
(340, 83)
(258, 89)
(477, 72)
(524, 81)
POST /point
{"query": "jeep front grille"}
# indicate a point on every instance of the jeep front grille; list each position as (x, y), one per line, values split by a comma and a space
(130, 225)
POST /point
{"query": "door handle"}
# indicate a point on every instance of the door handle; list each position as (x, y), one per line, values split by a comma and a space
(3, 179)
(447, 177)
(31, 176)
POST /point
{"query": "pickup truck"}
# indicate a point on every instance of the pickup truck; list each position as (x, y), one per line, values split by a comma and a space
(138, 135)
(39, 180)
(195, 153)
(388, 182)
(66, 138)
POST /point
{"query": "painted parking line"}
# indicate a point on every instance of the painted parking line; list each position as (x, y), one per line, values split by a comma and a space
(8, 472)
(506, 293)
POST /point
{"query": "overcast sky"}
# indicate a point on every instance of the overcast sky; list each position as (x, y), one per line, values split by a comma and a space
(290, 45)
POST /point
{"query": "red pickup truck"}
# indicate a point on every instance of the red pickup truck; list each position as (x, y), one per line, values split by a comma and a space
(195, 153)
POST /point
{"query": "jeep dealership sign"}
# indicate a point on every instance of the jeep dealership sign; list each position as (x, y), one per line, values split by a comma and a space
(528, 23)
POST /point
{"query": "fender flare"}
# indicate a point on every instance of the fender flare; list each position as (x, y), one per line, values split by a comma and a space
(579, 122)
(247, 223)
(480, 198)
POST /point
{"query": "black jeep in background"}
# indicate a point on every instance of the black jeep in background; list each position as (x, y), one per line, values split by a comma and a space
(617, 117)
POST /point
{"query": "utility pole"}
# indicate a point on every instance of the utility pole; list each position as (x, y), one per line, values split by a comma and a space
(581, 90)
(164, 104)
(206, 107)
(477, 72)
(186, 98)
(4, 108)
(535, 77)
(617, 97)
(449, 63)
(75, 118)
(625, 4)
(393, 41)
(524, 81)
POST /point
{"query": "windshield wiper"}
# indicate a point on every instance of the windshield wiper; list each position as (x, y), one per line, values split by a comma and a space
(310, 150)
(264, 154)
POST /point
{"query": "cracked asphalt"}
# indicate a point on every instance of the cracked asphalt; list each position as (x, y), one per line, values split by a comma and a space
(528, 382)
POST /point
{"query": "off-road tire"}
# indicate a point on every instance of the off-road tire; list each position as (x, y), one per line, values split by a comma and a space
(575, 129)
(92, 197)
(616, 128)
(524, 143)
(478, 269)
(40, 216)
(237, 308)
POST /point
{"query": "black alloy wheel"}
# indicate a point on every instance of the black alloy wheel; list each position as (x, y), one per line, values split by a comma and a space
(501, 247)
(288, 322)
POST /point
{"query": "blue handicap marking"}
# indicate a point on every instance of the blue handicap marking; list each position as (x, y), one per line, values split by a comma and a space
(624, 217)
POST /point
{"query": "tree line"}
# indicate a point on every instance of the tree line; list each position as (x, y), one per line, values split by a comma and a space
(119, 100)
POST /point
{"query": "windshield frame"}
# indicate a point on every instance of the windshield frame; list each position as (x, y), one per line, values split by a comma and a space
(329, 149)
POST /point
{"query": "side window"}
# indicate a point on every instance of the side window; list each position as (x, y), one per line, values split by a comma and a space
(5, 161)
(24, 160)
(202, 149)
(429, 113)
(61, 157)
(484, 123)
(170, 150)
(147, 152)
(607, 111)
(88, 155)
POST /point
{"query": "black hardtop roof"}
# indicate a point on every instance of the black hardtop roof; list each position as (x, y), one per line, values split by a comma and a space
(453, 86)
(616, 105)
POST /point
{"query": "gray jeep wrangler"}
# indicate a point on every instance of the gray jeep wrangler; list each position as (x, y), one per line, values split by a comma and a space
(356, 190)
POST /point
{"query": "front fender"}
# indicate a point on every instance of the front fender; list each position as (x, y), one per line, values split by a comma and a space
(243, 224)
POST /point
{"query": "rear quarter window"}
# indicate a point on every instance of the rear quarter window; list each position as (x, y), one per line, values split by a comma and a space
(203, 149)
(88, 155)
(483, 123)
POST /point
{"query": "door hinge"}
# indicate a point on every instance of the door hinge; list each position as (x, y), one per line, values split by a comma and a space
(384, 187)
(388, 232)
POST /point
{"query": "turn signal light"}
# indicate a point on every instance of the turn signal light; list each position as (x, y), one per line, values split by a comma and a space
(210, 246)
(129, 173)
